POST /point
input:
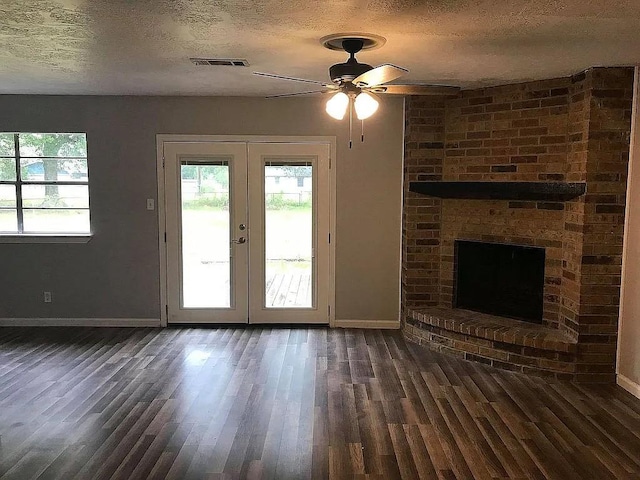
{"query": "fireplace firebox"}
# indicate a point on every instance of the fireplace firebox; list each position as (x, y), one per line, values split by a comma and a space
(499, 279)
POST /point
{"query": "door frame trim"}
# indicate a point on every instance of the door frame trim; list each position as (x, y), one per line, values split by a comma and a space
(161, 139)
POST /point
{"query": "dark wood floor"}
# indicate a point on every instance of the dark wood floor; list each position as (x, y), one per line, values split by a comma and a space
(292, 404)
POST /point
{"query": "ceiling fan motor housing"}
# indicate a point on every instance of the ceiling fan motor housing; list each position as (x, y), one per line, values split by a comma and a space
(347, 71)
(344, 73)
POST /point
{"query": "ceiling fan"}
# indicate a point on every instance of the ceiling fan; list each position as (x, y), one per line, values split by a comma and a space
(356, 84)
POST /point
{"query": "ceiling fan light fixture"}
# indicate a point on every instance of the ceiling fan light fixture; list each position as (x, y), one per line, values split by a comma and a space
(365, 105)
(337, 105)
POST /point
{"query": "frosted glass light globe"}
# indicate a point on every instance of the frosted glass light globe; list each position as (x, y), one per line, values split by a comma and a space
(337, 105)
(366, 105)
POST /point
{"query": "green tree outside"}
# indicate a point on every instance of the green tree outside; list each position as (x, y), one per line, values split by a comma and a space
(51, 149)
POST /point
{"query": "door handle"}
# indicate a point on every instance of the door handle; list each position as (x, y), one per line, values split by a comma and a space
(239, 241)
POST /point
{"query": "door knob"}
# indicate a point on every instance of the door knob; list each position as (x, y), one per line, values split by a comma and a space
(241, 240)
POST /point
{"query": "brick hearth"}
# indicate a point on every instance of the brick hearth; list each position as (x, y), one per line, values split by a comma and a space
(560, 130)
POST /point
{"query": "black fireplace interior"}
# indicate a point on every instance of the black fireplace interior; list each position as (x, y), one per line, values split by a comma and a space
(503, 280)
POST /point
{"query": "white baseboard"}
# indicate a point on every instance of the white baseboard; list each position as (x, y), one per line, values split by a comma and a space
(382, 324)
(79, 322)
(155, 322)
(629, 385)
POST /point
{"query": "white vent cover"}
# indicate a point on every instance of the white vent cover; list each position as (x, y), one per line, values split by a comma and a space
(220, 62)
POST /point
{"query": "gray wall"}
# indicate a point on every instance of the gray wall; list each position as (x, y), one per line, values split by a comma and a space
(116, 274)
(629, 330)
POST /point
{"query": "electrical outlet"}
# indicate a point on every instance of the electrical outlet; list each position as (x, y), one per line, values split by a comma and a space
(47, 297)
(151, 204)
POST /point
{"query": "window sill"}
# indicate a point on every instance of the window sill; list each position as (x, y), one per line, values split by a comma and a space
(43, 238)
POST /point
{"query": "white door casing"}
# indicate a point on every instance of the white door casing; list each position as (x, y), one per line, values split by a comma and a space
(246, 160)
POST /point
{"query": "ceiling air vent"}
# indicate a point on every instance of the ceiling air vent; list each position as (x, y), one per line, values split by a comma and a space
(220, 62)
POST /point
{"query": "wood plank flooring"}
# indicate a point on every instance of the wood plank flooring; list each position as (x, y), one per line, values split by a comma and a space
(274, 403)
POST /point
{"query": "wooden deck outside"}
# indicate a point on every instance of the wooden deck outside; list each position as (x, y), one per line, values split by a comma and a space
(289, 290)
(283, 290)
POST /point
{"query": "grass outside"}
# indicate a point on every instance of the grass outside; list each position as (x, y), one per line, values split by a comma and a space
(66, 213)
(288, 234)
(274, 201)
(206, 250)
(49, 220)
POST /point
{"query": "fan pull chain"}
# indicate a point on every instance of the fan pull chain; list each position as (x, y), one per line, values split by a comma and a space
(362, 134)
(350, 123)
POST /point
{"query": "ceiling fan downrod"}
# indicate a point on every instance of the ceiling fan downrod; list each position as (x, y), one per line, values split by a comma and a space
(352, 46)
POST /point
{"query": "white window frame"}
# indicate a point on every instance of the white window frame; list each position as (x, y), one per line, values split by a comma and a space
(53, 237)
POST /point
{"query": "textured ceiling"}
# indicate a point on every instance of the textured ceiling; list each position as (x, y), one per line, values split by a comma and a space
(142, 47)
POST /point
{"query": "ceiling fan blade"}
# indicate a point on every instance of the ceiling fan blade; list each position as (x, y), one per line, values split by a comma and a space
(294, 79)
(416, 89)
(379, 75)
(296, 94)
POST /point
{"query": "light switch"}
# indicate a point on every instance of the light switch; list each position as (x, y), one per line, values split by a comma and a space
(151, 204)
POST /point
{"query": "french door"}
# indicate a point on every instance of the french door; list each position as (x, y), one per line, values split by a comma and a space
(247, 232)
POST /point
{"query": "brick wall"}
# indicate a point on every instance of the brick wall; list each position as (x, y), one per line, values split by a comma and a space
(508, 133)
(424, 153)
(578, 140)
(566, 129)
(607, 160)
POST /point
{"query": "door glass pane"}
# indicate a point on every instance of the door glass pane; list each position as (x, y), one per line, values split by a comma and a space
(288, 223)
(206, 256)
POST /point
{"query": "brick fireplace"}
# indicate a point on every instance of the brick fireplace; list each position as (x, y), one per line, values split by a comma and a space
(561, 131)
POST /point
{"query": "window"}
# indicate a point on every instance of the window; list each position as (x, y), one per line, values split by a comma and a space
(44, 184)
